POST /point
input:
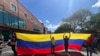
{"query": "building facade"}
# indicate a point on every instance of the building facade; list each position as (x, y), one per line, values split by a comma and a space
(14, 16)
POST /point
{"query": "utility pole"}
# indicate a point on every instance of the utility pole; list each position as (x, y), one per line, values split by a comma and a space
(18, 12)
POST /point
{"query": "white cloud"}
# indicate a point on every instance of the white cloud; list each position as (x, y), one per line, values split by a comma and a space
(51, 26)
(47, 21)
(96, 4)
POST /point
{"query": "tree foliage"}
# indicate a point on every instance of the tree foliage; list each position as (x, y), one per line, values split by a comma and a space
(94, 23)
(63, 28)
(76, 19)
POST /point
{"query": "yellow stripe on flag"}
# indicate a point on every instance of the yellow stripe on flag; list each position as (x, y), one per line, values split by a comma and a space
(33, 37)
(79, 36)
(38, 37)
(46, 37)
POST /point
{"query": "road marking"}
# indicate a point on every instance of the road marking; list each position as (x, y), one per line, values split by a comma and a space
(7, 52)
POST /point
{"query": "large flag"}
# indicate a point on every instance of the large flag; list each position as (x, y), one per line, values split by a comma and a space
(41, 43)
(77, 40)
(38, 43)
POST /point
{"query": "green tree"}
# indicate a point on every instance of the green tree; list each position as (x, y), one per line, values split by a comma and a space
(63, 28)
(94, 23)
(78, 18)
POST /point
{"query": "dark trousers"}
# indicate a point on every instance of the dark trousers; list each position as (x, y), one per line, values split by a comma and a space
(66, 47)
(14, 50)
(0, 50)
(89, 50)
(52, 49)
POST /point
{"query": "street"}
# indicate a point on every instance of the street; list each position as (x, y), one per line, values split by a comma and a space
(7, 51)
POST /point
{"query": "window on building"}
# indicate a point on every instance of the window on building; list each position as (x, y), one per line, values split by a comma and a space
(13, 7)
(22, 24)
(1, 16)
(14, 21)
(25, 15)
(6, 18)
(10, 19)
(31, 19)
(36, 28)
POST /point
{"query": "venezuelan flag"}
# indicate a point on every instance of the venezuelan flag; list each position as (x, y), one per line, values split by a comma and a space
(38, 43)
(77, 40)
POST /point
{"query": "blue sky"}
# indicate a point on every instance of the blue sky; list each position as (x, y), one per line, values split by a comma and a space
(51, 12)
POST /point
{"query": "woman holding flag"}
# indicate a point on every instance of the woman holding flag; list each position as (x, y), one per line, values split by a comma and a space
(12, 42)
(53, 43)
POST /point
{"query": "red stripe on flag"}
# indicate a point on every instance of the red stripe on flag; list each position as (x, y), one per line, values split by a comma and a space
(75, 46)
(24, 50)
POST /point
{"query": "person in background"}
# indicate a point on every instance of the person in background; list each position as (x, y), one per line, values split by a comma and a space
(89, 45)
(1, 41)
(12, 41)
(53, 43)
